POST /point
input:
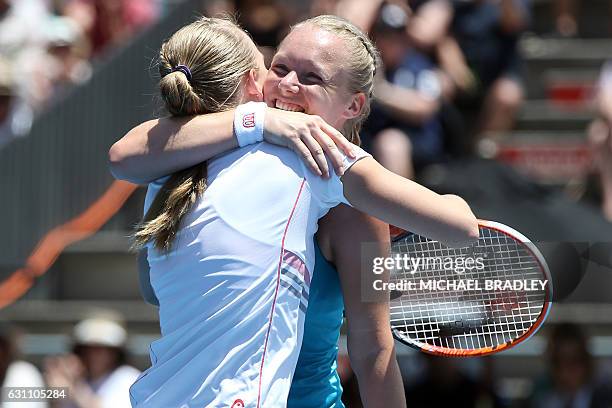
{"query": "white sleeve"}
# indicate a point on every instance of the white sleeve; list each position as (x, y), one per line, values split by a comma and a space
(115, 390)
(23, 374)
(330, 192)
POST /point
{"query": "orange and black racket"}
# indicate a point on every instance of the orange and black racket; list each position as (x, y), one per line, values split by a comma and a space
(469, 301)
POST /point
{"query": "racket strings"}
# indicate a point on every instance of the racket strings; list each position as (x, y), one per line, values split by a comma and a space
(465, 319)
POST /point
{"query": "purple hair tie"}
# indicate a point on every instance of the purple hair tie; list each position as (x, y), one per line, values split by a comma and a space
(184, 69)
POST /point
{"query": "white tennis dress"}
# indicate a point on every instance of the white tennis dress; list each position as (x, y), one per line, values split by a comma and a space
(233, 291)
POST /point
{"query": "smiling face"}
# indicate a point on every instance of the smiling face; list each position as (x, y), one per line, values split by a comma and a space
(307, 75)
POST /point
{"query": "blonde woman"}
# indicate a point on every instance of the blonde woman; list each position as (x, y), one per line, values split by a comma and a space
(230, 322)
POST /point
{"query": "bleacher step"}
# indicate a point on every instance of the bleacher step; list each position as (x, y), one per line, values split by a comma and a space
(545, 115)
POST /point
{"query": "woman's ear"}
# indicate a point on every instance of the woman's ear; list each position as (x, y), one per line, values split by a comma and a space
(254, 91)
(355, 108)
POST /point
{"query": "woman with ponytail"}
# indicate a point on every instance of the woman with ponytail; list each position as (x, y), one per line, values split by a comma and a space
(232, 274)
(222, 59)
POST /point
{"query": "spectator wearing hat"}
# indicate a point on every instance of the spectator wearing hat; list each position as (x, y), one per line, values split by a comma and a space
(95, 374)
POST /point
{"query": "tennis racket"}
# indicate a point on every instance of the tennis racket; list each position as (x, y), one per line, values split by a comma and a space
(446, 304)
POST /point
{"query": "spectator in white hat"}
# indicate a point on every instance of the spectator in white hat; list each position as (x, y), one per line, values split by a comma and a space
(96, 374)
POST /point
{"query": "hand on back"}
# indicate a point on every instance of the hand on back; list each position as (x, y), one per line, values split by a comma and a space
(310, 137)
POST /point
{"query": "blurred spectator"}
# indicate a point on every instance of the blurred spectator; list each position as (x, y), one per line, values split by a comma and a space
(110, 23)
(20, 23)
(267, 21)
(215, 8)
(600, 139)
(22, 36)
(572, 379)
(42, 54)
(566, 24)
(487, 32)
(404, 130)
(16, 373)
(63, 62)
(318, 7)
(15, 115)
(96, 374)
(264, 20)
(68, 62)
(566, 21)
(443, 385)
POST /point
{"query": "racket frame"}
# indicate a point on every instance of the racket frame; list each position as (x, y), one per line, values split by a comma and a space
(451, 352)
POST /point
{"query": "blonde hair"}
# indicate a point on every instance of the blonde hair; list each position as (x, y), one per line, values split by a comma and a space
(217, 55)
(362, 62)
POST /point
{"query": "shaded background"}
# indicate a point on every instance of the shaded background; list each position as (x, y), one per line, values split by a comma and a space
(75, 75)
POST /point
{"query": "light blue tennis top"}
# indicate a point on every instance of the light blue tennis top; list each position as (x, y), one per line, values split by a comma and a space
(316, 382)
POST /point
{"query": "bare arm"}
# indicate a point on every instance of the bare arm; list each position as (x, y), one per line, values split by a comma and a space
(453, 62)
(163, 146)
(405, 104)
(375, 190)
(370, 343)
(429, 26)
(362, 13)
(68, 371)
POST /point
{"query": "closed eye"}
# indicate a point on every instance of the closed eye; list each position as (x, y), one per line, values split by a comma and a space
(312, 77)
(280, 69)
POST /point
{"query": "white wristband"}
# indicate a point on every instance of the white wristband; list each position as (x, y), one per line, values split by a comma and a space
(249, 123)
